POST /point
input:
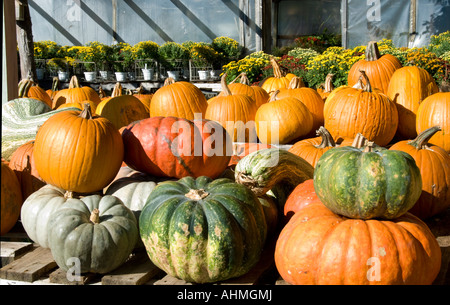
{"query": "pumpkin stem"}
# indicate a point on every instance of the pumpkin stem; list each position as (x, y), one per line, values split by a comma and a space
(421, 141)
(86, 113)
(276, 68)
(273, 97)
(328, 85)
(372, 52)
(295, 83)
(169, 81)
(223, 82)
(370, 146)
(101, 92)
(244, 79)
(117, 91)
(24, 86)
(68, 195)
(327, 139)
(74, 83)
(197, 194)
(368, 86)
(94, 218)
(359, 141)
(55, 84)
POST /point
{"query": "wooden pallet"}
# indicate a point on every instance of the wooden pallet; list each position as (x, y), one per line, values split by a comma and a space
(29, 263)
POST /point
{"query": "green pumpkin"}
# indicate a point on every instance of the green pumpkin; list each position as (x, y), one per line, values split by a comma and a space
(368, 182)
(203, 230)
(21, 119)
(100, 231)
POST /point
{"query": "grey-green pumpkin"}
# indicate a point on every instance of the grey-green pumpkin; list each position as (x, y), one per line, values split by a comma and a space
(203, 230)
(100, 231)
(368, 182)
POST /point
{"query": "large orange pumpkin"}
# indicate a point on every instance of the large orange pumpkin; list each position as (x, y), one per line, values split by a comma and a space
(77, 151)
(11, 199)
(176, 147)
(235, 112)
(312, 149)
(121, 109)
(179, 99)
(434, 165)
(283, 120)
(308, 96)
(318, 247)
(379, 68)
(350, 111)
(408, 87)
(75, 93)
(258, 94)
(278, 80)
(23, 165)
(435, 111)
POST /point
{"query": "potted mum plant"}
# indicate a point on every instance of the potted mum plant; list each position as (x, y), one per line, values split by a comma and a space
(173, 57)
(103, 53)
(146, 53)
(87, 56)
(122, 57)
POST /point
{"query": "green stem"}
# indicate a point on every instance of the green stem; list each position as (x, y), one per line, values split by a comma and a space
(421, 141)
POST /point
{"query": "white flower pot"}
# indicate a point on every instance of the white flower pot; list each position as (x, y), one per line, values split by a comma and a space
(90, 76)
(148, 74)
(104, 75)
(203, 75)
(40, 73)
(121, 76)
(173, 74)
(63, 76)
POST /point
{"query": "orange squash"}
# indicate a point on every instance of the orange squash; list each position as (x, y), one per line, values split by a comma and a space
(75, 93)
(28, 88)
(259, 95)
(379, 68)
(179, 99)
(435, 111)
(145, 98)
(278, 80)
(11, 199)
(318, 247)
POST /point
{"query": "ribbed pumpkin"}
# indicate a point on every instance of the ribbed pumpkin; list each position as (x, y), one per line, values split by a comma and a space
(98, 230)
(435, 111)
(283, 120)
(327, 87)
(21, 119)
(258, 94)
(235, 112)
(28, 88)
(11, 199)
(318, 247)
(121, 109)
(434, 165)
(78, 151)
(203, 230)
(176, 147)
(408, 87)
(308, 96)
(278, 80)
(23, 165)
(179, 99)
(313, 148)
(75, 93)
(145, 98)
(368, 182)
(350, 111)
(379, 68)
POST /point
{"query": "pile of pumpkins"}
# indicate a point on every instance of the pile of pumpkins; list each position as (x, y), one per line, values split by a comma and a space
(96, 177)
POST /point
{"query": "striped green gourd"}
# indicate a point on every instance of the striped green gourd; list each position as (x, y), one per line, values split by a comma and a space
(367, 182)
(203, 230)
(21, 119)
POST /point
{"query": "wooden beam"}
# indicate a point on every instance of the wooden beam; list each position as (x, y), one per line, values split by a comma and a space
(9, 53)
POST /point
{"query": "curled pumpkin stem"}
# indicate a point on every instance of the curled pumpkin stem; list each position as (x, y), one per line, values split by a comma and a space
(95, 218)
(223, 82)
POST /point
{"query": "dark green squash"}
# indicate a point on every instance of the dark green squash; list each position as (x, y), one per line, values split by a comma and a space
(368, 182)
(203, 230)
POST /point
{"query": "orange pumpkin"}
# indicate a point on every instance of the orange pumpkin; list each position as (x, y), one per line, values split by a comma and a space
(313, 148)
(178, 99)
(435, 111)
(434, 165)
(77, 151)
(28, 88)
(235, 112)
(278, 80)
(75, 93)
(408, 87)
(121, 109)
(307, 96)
(350, 111)
(11, 199)
(318, 247)
(302, 195)
(23, 165)
(283, 120)
(259, 95)
(379, 68)
(145, 98)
